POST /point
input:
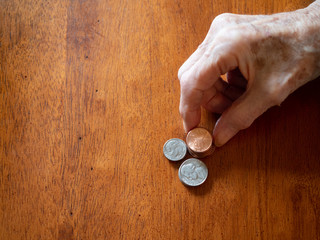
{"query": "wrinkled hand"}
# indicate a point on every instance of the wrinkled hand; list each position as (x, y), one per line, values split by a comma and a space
(266, 57)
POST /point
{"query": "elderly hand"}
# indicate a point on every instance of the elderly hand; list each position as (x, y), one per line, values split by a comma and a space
(266, 57)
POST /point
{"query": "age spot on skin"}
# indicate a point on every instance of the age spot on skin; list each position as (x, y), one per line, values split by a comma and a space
(260, 63)
(280, 49)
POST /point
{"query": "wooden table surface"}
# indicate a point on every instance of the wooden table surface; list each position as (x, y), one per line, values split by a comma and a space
(89, 95)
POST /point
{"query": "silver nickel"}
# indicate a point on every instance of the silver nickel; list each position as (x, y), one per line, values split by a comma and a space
(175, 149)
(193, 172)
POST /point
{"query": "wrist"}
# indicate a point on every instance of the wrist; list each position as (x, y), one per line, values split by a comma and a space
(310, 34)
(311, 14)
(300, 30)
(314, 8)
(295, 39)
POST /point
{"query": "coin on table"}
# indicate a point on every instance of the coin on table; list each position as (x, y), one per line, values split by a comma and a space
(199, 142)
(175, 149)
(193, 172)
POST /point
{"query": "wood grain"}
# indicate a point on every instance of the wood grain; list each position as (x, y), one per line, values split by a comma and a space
(88, 96)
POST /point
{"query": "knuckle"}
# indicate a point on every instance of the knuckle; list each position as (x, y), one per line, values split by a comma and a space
(223, 18)
(243, 123)
(184, 82)
(242, 120)
(274, 93)
(207, 54)
(232, 33)
(275, 98)
(181, 110)
(183, 76)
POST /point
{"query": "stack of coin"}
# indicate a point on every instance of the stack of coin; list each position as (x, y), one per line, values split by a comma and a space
(192, 171)
(200, 142)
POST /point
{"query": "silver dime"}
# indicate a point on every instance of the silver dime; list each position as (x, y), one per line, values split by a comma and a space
(175, 149)
(193, 172)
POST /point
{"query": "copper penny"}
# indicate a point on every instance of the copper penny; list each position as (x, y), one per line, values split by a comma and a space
(199, 142)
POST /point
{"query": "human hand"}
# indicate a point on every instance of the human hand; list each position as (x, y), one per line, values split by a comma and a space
(266, 57)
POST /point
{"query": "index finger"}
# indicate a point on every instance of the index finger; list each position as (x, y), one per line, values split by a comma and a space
(201, 77)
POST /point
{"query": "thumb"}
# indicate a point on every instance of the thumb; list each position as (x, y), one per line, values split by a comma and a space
(240, 115)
